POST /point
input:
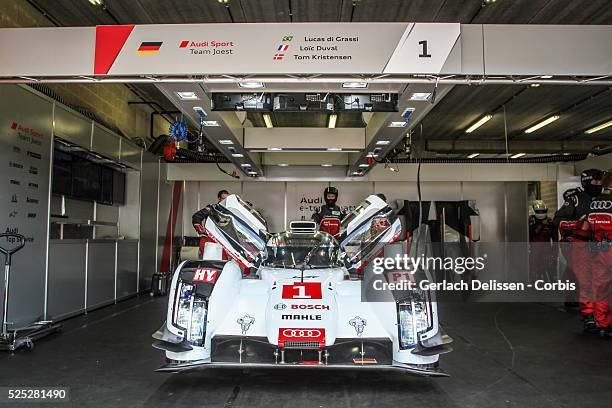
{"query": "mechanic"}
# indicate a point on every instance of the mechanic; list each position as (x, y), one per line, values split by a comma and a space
(569, 219)
(542, 234)
(330, 209)
(199, 218)
(599, 222)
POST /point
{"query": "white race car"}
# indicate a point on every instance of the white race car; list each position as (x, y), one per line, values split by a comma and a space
(294, 299)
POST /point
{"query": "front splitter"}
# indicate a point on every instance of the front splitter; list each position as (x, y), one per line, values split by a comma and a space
(395, 367)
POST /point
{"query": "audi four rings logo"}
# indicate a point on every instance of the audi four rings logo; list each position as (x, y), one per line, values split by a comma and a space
(301, 333)
(601, 205)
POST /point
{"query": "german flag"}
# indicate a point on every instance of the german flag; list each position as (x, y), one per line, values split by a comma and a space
(149, 47)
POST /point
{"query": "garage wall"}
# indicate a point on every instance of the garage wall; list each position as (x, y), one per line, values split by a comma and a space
(281, 202)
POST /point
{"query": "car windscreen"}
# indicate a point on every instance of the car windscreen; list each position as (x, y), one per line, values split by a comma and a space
(290, 250)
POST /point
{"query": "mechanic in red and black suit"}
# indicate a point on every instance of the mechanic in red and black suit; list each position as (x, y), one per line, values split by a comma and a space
(330, 211)
(542, 235)
(199, 218)
(599, 221)
(570, 219)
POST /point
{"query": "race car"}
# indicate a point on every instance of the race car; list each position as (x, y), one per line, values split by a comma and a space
(294, 299)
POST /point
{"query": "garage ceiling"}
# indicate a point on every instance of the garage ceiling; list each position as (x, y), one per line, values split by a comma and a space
(579, 107)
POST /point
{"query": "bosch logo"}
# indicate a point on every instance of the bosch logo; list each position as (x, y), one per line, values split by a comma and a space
(601, 205)
(310, 307)
(301, 333)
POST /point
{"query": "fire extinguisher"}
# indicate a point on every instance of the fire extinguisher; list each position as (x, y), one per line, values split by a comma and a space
(170, 150)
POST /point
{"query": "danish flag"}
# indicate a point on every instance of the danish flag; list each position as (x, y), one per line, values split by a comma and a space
(278, 57)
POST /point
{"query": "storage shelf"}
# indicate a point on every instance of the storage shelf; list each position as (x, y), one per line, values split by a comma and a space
(71, 221)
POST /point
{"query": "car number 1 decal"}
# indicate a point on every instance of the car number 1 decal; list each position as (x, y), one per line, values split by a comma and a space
(302, 290)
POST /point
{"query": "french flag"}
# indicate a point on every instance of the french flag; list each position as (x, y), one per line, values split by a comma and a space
(283, 47)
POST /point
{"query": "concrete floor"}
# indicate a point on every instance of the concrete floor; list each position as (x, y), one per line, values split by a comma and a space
(506, 355)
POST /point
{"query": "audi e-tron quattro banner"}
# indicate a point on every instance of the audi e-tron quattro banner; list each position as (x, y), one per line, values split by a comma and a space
(200, 49)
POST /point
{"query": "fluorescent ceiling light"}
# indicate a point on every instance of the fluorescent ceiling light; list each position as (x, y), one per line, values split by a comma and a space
(334, 149)
(251, 84)
(210, 123)
(326, 165)
(283, 165)
(187, 96)
(599, 127)
(542, 124)
(199, 109)
(355, 85)
(478, 124)
(534, 85)
(268, 120)
(96, 2)
(357, 173)
(226, 142)
(473, 155)
(516, 156)
(398, 124)
(275, 149)
(383, 142)
(332, 121)
(364, 165)
(546, 76)
(253, 173)
(420, 96)
(237, 155)
(245, 165)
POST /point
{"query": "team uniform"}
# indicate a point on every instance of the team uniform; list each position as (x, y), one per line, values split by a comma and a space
(542, 234)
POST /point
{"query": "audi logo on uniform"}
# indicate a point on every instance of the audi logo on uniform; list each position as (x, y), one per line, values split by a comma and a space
(301, 333)
(601, 205)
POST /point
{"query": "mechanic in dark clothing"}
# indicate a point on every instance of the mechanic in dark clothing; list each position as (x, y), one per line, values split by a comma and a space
(571, 219)
(599, 221)
(542, 234)
(198, 218)
(330, 209)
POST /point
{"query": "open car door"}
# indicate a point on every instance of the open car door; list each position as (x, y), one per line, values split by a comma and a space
(239, 228)
(366, 230)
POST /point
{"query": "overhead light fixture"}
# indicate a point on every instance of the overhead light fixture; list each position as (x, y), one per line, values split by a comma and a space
(332, 121)
(187, 96)
(398, 124)
(518, 155)
(199, 109)
(268, 120)
(535, 85)
(364, 165)
(542, 124)
(326, 165)
(275, 149)
(96, 2)
(283, 165)
(210, 123)
(479, 123)
(245, 165)
(546, 76)
(383, 142)
(251, 84)
(473, 155)
(599, 127)
(226, 142)
(237, 155)
(357, 173)
(355, 85)
(252, 173)
(420, 96)
(334, 149)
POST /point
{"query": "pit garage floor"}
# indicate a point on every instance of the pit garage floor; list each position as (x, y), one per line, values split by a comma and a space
(506, 355)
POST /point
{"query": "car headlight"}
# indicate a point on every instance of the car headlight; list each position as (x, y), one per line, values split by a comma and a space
(412, 319)
(190, 313)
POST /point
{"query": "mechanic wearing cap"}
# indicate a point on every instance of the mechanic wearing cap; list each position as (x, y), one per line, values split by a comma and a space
(330, 209)
(570, 219)
(199, 218)
(599, 220)
(541, 231)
